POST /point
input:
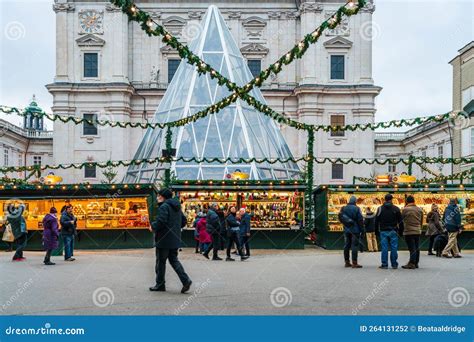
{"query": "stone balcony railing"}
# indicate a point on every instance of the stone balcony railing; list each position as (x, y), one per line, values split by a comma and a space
(27, 133)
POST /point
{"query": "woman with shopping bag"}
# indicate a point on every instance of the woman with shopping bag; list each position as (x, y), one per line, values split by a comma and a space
(18, 226)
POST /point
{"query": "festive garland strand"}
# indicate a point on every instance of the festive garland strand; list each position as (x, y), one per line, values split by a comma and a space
(136, 162)
(225, 102)
(455, 176)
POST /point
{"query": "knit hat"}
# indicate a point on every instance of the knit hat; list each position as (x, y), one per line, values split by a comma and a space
(166, 193)
(53, 210)
(353, 200)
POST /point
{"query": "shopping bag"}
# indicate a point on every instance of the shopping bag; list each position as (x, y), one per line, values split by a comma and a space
(8, 234)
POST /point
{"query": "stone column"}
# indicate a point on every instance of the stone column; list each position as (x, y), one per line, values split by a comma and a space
(62, 43)
(308, 15)
(367, 31)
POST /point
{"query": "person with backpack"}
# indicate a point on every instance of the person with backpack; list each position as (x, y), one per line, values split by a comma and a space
(452, 223)
(388, 220)
(351, 218)
(213, 227)
(167, 228)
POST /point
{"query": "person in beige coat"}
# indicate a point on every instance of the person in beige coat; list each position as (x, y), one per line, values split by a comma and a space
(412, 222)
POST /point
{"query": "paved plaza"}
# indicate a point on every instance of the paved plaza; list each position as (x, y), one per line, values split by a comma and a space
(274, 282)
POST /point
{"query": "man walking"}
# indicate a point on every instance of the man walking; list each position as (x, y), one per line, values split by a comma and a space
(388, 221)
(351, 218)
(452, 223)
(245, 231)
(167, 228)
(412, 223)
(68, 231)
(213, 227)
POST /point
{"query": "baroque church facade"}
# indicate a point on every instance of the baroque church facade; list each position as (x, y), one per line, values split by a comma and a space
(108, 68)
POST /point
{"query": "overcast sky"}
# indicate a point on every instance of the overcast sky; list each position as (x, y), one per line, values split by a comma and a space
(413, 43)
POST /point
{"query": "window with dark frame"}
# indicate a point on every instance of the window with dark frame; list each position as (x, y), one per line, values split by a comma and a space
(91, 65)
(337, 67)
(255, 66)
(90, 171)
(440, 151)
(90, 128)
(392, 167)
(173, 65)
(36, 160)
(5, 157)
(338, 120)
(337, 171)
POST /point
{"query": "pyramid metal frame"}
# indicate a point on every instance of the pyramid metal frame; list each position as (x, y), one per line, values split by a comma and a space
(237, 131)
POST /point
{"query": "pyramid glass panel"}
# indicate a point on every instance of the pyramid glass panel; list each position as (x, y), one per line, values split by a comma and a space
(237, 131)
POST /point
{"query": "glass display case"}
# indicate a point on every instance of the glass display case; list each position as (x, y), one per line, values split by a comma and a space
(268, 209)
(338, 199)
(91, 213)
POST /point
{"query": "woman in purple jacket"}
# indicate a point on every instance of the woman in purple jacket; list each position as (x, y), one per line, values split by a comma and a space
(50, 234)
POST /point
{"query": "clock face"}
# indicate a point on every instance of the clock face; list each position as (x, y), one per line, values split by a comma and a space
(90, 21)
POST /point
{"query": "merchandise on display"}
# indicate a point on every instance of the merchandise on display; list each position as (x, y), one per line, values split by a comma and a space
(268, 209)
(337, 200)
(96, 213)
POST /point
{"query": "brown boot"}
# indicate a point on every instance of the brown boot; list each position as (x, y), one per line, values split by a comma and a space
(409, 266)
(348, 264)
(356, 265)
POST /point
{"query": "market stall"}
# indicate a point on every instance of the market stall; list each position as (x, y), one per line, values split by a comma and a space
(108, 216)
(329, 199)
(276, 208)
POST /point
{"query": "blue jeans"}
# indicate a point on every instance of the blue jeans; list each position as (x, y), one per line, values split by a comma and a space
(386, 238)
(68, 241)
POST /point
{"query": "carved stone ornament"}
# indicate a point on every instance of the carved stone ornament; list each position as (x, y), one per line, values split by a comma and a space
(90, 40)
(174, 25)
(254, 49)
(63, 7)
(254, 27)
(308, 7)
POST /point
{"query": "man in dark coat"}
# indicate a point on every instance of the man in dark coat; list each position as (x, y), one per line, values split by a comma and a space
(389, 222)
(50, 235)
(353, 222)
(167, 228)
(213, 227)
(68, 231)
(245, 231)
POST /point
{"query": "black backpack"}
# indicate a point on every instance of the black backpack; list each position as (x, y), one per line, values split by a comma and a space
(344, 219)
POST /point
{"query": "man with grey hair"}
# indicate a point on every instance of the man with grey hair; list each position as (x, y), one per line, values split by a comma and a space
(213, 227)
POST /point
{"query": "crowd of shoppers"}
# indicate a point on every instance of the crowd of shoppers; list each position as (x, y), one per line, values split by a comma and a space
(391, 224)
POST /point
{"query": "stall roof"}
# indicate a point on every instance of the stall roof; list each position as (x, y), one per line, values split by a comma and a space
(393, 188)
(239, 185)
(74, 190)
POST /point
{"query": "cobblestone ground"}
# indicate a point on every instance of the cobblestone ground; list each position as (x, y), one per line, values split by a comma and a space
(307, 282)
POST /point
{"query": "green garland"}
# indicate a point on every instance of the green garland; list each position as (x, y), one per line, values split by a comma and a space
(309, 211)
(136, 162)
(456, 176)
(365, 180)
(230, 99)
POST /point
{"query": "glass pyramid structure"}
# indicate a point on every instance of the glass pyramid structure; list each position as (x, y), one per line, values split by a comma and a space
(237, 131)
